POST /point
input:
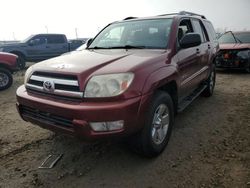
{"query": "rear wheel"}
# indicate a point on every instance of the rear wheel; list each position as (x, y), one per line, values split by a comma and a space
(154, 137)
(210, 83)
(5, 79)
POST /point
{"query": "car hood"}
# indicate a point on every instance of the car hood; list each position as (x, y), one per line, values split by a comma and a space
(12, 44)
(7, 55)
(100, 61)
(234, 46)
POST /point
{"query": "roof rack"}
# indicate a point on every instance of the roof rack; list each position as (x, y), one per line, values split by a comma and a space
(129, 18)
(191, 14)
(168, 14)
(184, 13)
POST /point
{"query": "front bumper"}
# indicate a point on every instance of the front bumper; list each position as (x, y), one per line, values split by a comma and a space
(232, 64)
(73, 118)
(233, 59)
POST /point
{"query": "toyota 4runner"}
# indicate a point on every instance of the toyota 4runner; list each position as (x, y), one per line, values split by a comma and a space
(130, 81)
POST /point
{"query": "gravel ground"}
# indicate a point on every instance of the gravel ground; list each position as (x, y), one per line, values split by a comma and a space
(209, 147)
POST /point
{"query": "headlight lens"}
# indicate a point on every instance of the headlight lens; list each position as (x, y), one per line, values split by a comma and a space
(1, 49)
(109, 85)
(27, 74)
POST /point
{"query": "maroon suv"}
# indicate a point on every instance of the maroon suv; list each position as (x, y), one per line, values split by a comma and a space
(131, 80)
(8, 64)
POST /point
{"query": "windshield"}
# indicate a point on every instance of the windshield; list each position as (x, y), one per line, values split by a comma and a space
(231, 37)
(27, 39)
(151, 34)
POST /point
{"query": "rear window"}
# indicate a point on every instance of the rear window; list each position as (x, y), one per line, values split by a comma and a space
(56, 39)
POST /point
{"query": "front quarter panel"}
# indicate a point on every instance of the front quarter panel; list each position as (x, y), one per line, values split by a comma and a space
(159, 78)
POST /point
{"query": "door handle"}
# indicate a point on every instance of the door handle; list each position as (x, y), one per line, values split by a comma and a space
(47, 47)
(197, 50)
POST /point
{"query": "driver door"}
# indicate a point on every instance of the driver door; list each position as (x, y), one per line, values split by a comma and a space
(37, 48)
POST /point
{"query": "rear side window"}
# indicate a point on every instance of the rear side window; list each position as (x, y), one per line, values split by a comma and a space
(56, 39)
(199, 28)
(211, 31)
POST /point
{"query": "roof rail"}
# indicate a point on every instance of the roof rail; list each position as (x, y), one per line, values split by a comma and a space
(129, 18)
(191, 14)
(168, 14)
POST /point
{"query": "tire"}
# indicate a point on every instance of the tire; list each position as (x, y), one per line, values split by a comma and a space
(6, 79)
(210, 83)
(21, 62)
(154, 137)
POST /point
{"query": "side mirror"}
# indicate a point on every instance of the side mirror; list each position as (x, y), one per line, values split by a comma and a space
(89, 41)
(190, 40)
(31, 43)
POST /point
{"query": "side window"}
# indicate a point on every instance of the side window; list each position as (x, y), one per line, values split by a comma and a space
(211, 31)
(38, 40)
(198, 29)
(184, 28)
(56, 39)
(204, 31)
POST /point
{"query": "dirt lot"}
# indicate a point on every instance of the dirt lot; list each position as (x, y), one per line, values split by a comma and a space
(209, 147)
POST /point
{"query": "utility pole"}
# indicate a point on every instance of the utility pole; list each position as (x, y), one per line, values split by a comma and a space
(76, 33)
(46, 27)
(14, 35)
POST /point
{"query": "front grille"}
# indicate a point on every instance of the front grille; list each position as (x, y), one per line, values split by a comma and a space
(57, 84)
(46, 117)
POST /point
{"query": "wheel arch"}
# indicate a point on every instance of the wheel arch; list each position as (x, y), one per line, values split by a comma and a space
(4, 66)
(171, 88)
(19, 53)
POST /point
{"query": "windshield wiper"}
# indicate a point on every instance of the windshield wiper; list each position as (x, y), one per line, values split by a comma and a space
(128, 47)
(119, 47)
(99, 47)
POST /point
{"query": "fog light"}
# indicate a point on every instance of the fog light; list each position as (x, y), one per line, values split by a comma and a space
(107, 126)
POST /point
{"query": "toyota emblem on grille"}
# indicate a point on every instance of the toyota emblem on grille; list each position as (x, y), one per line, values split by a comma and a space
(48, 86)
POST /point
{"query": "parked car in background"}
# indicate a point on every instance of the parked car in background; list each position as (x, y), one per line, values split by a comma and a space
(40, 47)
(8, 64)
(130, 81)
(234, 50)
(76, 43)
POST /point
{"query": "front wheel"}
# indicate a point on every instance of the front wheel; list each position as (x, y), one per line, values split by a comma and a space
(21, 62)
(5, 79)
(154, 137)
(210, 83)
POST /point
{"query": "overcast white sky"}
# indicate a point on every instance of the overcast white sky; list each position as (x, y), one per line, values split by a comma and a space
(21, 18)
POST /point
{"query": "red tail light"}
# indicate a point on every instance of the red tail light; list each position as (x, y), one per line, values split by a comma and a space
(226, 56)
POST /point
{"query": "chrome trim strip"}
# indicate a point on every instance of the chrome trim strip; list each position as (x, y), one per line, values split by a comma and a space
(194, 75)
(55, 80)
(56, 91)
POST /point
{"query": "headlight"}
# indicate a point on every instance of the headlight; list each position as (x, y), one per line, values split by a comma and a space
(27, 74)
(109, 85)
(1, 49)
